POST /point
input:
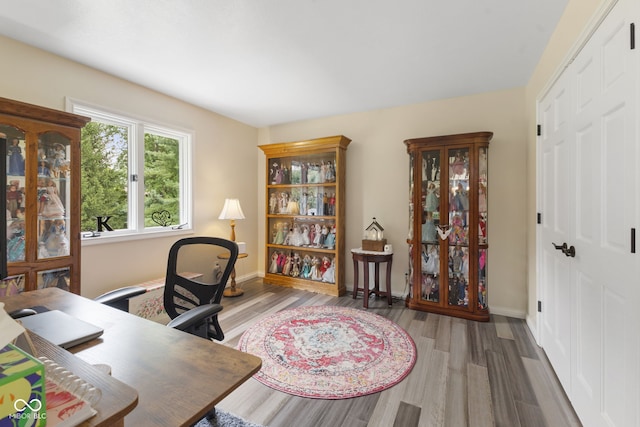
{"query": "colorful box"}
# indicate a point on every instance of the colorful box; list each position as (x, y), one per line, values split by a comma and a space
(22, 394)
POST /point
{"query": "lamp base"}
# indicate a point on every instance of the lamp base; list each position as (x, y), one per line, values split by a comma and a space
(229, 292)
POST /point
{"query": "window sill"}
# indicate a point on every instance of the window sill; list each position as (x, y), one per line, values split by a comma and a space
(107, 237)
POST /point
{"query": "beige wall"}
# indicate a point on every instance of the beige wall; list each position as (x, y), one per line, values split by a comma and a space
(377, 178)
(579, 17)
(224, 155)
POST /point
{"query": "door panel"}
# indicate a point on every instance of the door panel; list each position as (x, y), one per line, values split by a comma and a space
(555, 189)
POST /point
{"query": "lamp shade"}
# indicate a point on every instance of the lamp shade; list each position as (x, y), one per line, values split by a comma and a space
(231, 210)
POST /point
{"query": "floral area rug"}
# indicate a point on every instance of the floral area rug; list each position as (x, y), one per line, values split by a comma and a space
(329, 352)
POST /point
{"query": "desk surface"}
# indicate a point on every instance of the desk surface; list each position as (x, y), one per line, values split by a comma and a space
(179, 377)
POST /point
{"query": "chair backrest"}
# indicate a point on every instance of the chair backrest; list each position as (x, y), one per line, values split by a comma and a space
(193, 278)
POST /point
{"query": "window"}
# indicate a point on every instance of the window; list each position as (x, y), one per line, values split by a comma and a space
(135, 176)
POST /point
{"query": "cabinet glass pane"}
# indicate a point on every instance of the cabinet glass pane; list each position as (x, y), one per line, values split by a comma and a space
(482, 279)
(430, 262)
(458, 196)
(309, 169)
(15, 190)
(58, 278)
(12, 285)
(54, 195)
(482, 196)
(308, 232)
(430, 196)
(458, 276)
(302, 264)
(306, 200)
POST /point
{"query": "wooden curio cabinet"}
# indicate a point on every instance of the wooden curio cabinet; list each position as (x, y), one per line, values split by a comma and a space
(305, 198)
(448, 243)
(43, 197)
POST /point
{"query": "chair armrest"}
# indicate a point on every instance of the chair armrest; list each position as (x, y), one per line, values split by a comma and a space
(22, 312)
(119, 298)
(194, 317)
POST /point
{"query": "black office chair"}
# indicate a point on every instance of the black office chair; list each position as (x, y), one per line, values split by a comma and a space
(193, 304)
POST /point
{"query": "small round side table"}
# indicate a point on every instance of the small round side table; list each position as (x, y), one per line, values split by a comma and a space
(232, 291)
(365, 257)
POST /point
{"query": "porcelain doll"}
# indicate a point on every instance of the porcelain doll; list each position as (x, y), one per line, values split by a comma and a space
(312, 234)
(296, 238)
(303, 203)
(305, 272)
(429, 232)
(288, 238)
(282, 259)
(431, 201)
(14, 199)
(316, 269)
(303, 173)
(273, 267)
(56, 240)
(332, 204)
(286, 269)
(317, 236)
(293, 208)
(315, 266)
(278, 239)
(305, 235)
(329, 275)
(323, 235)
(273, 203)
(295, 265)
(43, 168)
(283, 203)
(482, 198)
(432, 265)
(457, 166)
(273, 173)
(16, 161)
(330, 240)
(59, 158)
(53, 207)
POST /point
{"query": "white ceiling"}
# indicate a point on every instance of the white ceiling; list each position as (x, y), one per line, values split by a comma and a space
(265, 62)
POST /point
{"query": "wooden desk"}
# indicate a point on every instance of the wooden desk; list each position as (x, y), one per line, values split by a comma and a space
(365, 257)
(179, 377)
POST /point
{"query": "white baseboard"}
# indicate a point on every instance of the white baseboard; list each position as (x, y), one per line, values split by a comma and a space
(509, 312)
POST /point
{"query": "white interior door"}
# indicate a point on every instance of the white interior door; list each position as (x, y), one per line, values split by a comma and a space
(555, 204)
(599, 141)
(605, 74)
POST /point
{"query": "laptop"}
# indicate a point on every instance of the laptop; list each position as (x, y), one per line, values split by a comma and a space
(60, 328)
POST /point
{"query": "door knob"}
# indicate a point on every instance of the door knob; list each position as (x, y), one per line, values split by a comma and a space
(570, 251)
(561, 248)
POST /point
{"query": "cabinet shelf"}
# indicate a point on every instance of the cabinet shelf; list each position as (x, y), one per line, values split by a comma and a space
(304, 192)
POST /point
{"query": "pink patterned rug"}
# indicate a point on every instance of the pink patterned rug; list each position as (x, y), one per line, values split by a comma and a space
(329, 352)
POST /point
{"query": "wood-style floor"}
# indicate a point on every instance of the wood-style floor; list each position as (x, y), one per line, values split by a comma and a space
(467, 373)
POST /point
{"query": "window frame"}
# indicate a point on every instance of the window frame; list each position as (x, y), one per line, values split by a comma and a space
(137, 127)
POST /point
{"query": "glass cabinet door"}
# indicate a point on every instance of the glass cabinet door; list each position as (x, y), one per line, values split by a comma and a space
(430, 211)
(16, 185)
(458, 252)
(482, 227)
(53, 196)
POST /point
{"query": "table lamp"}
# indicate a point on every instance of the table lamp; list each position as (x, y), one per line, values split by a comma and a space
(232, 211)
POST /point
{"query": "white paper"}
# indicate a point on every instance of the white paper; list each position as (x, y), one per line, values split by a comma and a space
(9, 328)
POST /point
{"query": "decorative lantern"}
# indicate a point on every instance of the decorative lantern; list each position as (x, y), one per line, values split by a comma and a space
(374, 237)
